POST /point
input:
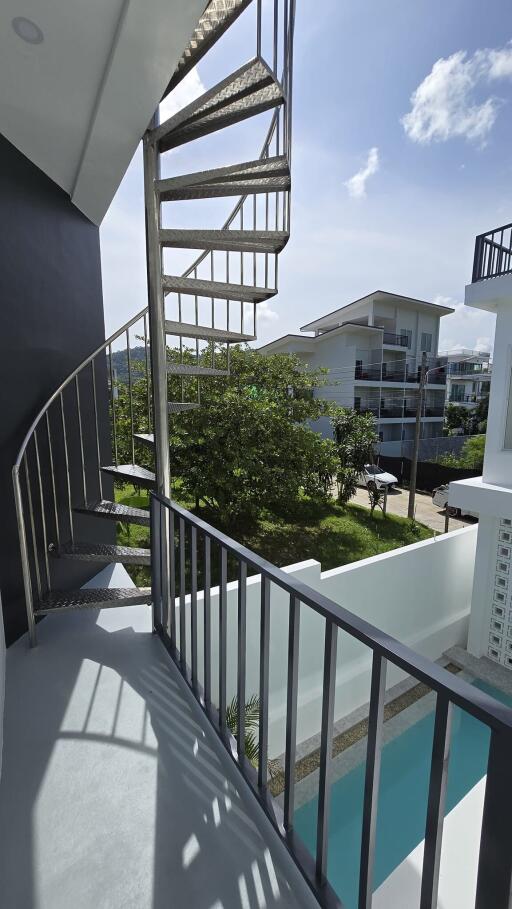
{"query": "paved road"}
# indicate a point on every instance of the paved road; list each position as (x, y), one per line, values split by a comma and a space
(426, 513)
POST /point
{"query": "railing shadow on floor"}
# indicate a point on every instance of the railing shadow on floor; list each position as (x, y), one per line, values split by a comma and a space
(100, 725)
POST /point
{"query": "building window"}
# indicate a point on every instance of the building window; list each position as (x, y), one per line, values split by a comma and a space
(426, 341)
(407, 333)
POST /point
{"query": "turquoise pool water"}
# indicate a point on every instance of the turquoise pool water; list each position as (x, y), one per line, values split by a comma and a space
(402, 798)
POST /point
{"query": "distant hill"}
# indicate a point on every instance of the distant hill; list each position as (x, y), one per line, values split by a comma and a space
(120, 363)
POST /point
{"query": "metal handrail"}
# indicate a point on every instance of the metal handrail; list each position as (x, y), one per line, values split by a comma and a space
(495, 859)
(53, 397)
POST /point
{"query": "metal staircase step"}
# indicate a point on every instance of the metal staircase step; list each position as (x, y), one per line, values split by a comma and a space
(104, 552)
(262, 176)
(248, 91)
(182, 406)
(260, 241)
(204, 332)
(131, 473)
(145, 438)
(182, 369)
(92, 598)
(217, 17)
(116, 512)
(220, 290)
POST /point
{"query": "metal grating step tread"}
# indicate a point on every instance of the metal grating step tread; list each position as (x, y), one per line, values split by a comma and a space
(217, 17)
(116, 512)
(92, 598)
(250, 90)
(104, 552)
(204, 332)
(261, 241)
(182, 369)
(220, 290)
(182, 406)
(261, 176)
(131, 473)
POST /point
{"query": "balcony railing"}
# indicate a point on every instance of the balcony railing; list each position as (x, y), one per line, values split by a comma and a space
(462, 399)
(493, 254)
(434, 411)
(411, 374)
(367, 408)
(190, 552)
(397, 340)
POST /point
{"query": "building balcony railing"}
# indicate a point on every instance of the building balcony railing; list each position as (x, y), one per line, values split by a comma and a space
(182, 543)
(462, 399)
(493, 254)
(393, 411)
(394, 339)
(367, 408)
(434, 411)
(436, 375)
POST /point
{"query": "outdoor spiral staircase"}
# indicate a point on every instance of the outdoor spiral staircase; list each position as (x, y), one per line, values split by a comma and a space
(213, 303)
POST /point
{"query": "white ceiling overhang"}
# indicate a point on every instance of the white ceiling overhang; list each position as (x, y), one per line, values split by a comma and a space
(77, 103)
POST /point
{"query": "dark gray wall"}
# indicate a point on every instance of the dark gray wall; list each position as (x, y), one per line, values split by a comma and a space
(51, 318)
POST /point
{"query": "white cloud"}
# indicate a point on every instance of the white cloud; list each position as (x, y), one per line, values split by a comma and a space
(464, 328)
(444, 104)
(190, 88)
(357, 184)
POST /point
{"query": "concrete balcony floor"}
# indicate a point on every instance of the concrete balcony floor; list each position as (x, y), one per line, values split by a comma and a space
(115, 792)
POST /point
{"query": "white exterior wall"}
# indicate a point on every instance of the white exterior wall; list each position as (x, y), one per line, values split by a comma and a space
(491, 606)
(419, 594)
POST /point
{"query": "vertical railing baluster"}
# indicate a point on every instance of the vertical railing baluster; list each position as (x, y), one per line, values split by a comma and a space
(66, 461)
(328, 694)
(148, 372)
(25, 560)
(81, 439)
(242, 644)
(276, 30)
(258, 28)
(495, 859)
(113, 404)
(183, 620)
(43, 515)
(207, 621)
(130, 392)
(193, 603)
(291, 711)
(436, 803)
(95, 403)
(155, 515)
(372, 780)
(172, 579)
(33, 528)
(264, 682)
(52, 476)
(223, 637)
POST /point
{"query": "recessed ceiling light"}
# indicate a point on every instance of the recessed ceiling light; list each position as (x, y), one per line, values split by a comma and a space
(27, 30)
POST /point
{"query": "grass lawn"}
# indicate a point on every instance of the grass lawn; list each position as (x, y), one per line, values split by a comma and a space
(326, 532)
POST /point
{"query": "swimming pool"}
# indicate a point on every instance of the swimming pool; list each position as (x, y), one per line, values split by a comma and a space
(402, 806)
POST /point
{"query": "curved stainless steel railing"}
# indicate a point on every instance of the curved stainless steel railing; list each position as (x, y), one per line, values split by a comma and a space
(51, 474)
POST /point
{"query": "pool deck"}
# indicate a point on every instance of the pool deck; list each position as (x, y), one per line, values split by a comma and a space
(115, 791)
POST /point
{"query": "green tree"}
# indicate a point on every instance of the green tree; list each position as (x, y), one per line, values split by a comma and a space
(355, 440)
(471, 456)
(249, 446)
(458, 418)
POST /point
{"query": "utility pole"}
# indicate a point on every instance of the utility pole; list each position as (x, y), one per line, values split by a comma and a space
(417, 435)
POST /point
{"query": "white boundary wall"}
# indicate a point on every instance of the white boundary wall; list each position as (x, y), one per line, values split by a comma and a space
(420, 594)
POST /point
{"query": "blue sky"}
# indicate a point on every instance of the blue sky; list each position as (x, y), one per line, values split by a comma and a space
(401, 155)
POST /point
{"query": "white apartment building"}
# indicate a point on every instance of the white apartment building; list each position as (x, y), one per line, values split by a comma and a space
(373, 349)
(468, 377)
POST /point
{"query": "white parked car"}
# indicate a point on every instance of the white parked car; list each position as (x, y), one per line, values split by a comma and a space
(374, 474)
(440, 499)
